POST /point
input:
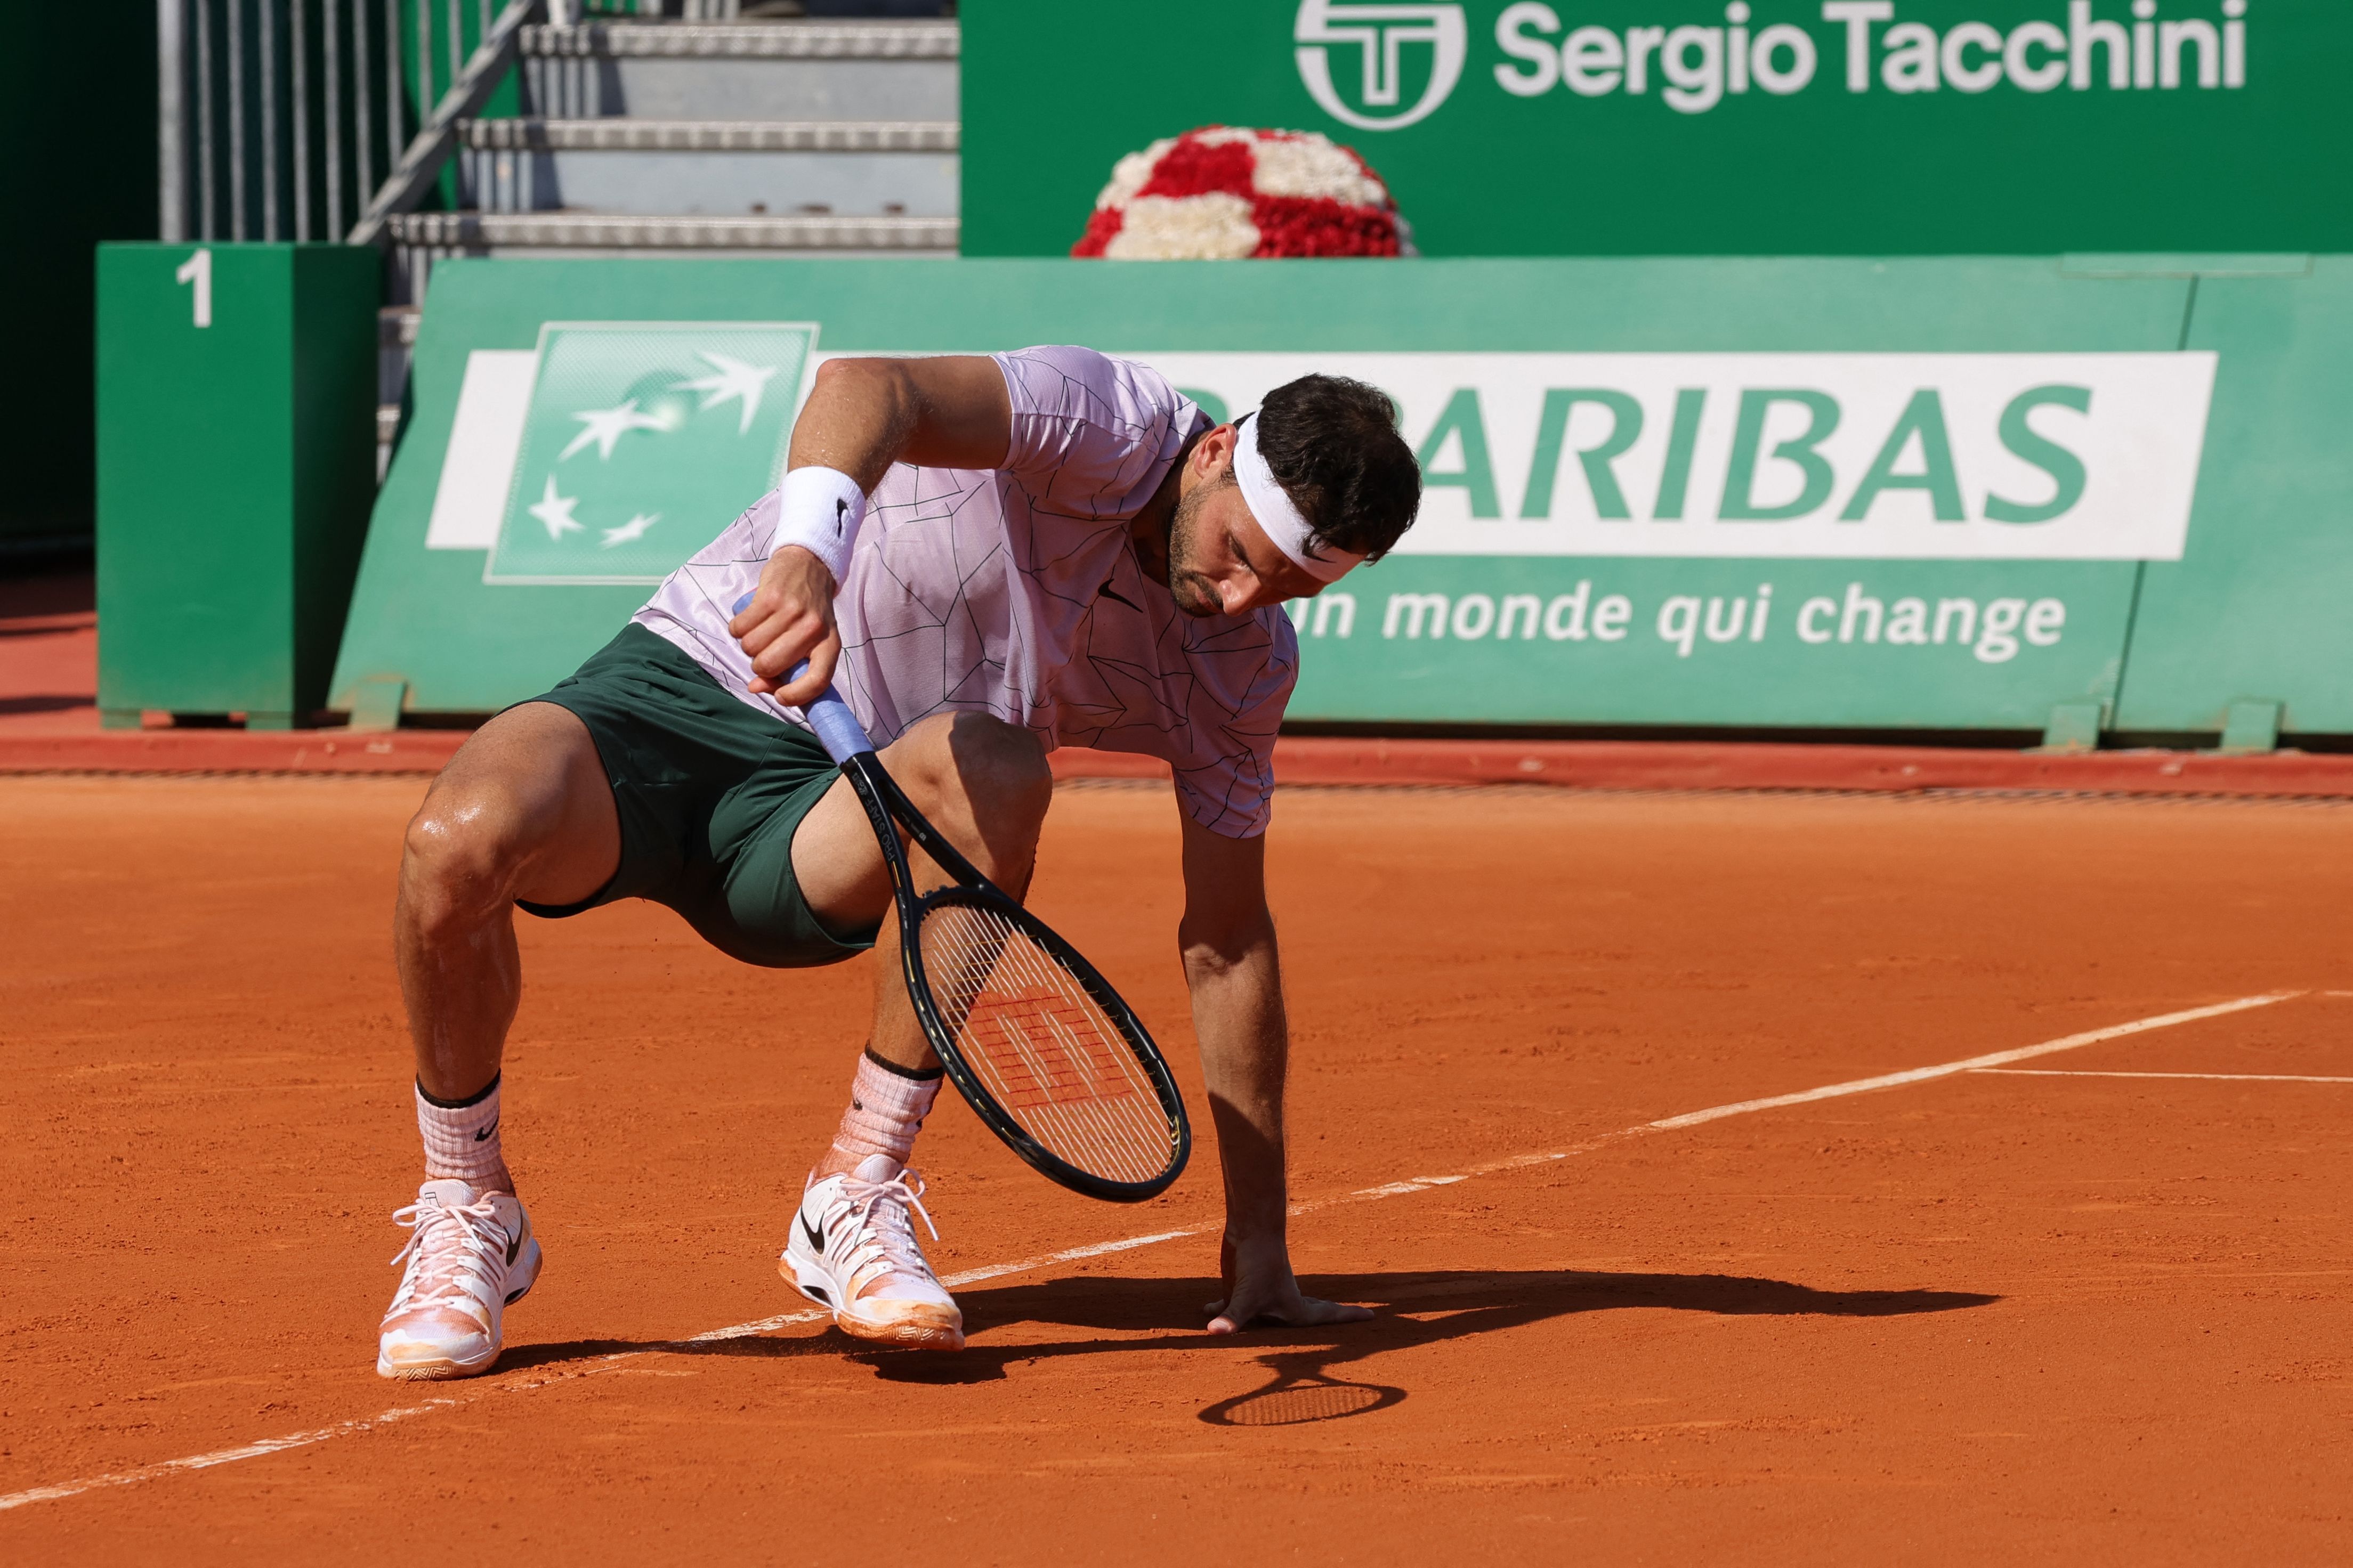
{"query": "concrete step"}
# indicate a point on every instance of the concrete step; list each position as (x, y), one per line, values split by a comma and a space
(433, 235)
(866, 38)
(840, 40)
(420, 239)
(712, 135)
(869, 168)
(743, 70)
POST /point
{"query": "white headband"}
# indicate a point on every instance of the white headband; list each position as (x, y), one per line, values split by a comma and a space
(1275, 514)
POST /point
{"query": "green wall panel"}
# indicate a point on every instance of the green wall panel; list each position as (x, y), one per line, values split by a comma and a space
(2262, 604)
(1993, 159)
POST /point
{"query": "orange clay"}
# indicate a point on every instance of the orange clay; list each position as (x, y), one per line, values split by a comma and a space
(1984, 1318)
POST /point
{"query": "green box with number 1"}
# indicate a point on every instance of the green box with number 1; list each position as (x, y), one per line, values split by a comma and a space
(236, 471)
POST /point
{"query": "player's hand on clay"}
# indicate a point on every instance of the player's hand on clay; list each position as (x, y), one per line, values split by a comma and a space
(1261, 1293)
(790, 618)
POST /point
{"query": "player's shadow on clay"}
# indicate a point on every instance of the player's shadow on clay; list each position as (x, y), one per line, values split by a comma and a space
(1300, 1383)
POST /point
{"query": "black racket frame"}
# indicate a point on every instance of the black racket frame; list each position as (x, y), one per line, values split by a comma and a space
(887, 808)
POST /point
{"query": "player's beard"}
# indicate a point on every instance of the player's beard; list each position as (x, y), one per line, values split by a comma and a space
(1195, 591)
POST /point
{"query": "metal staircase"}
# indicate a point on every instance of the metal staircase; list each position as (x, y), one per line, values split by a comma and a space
(648, 127)
(743, 138)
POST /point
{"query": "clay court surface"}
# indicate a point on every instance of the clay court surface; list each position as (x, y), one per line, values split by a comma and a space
(1986, 1316)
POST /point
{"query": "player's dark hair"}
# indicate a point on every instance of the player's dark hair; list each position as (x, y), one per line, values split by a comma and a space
(1333, 445)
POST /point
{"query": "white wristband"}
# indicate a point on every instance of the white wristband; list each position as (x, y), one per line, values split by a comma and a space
(820, 511)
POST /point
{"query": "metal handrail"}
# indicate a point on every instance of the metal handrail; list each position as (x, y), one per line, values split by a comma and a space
(436, 137)
(262, 101)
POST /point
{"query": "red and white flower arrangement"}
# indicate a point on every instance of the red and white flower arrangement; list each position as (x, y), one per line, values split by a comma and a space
(1226, 191)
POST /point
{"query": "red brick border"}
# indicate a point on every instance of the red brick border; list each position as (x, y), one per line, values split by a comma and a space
(1718, 764)
(1319, 760)
(231, 752)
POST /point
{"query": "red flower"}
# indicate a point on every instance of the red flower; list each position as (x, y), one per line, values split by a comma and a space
(1193, 169)
(1318, 226)
(1106, 223)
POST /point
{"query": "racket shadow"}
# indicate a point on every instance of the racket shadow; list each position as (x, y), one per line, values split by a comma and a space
(1302, 1390)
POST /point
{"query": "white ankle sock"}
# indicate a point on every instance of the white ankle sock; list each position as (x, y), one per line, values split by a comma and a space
(461, 1140)
(886, 1108)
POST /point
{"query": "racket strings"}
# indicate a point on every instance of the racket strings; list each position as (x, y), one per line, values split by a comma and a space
(1042, 1045)
(1046, 1051)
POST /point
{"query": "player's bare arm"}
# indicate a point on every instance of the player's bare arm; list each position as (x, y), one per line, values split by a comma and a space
(1231, 966)
(862, 415)
(1197, 536)
(865, 415)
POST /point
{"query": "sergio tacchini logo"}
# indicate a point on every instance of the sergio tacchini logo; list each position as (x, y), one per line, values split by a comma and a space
(1378, 33)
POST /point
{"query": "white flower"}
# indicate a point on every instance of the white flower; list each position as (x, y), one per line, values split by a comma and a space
(1211, 227)
(1309, 166)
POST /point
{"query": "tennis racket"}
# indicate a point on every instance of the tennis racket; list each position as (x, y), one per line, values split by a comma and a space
(1039, 1044)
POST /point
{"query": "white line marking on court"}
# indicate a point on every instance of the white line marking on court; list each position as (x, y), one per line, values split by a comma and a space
(2217, 1077)
(1097, 1249)
(1069, 1254)
(224, 1455)
(1992, 1059)
(562, 1374)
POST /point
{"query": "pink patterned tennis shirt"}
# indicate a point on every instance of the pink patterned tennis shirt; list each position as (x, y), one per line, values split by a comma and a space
(1013, 591)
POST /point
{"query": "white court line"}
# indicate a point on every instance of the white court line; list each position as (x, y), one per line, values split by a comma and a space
(2219, 1077)
(1097, 1249)
(564, 1374)
(1993, 1059)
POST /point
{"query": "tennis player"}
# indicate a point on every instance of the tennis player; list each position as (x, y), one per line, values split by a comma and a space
(991, 557)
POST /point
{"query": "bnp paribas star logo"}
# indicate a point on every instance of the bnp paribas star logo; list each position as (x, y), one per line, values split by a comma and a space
(643, 441)
(1398, 61)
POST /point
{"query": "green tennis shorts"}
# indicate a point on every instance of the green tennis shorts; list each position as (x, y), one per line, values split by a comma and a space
(710, 793)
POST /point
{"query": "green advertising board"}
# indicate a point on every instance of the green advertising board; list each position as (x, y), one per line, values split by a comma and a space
(719, 396)
(1696, 127)
(1903, 493)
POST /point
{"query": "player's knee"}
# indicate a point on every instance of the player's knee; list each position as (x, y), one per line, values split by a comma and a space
(457, 857)
(1001, 769)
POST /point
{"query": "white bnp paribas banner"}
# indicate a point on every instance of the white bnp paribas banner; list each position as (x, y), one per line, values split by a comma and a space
(1988, 457)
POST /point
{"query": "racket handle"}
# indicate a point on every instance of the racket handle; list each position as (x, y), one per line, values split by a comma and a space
(835, 724)
(843, 736)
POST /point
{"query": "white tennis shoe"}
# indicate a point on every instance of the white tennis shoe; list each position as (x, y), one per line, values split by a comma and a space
(470, 1257)
(854, 1251)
